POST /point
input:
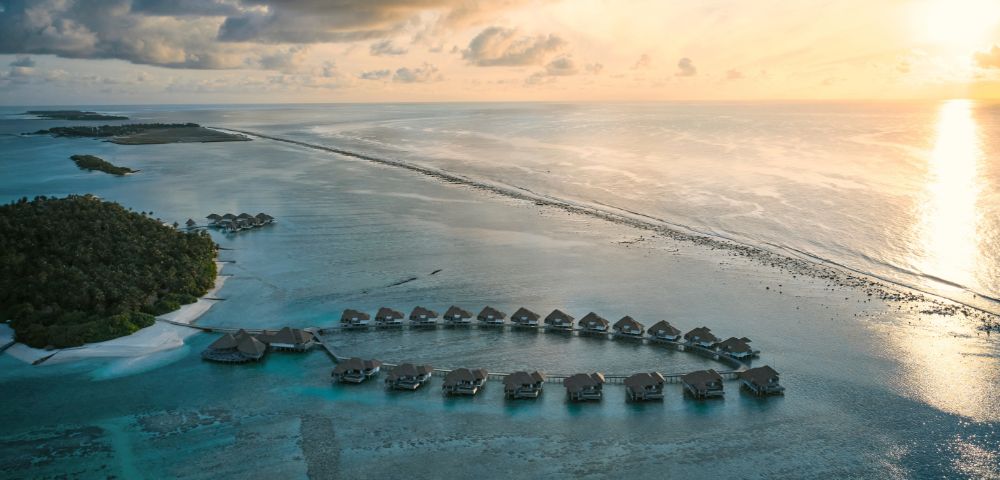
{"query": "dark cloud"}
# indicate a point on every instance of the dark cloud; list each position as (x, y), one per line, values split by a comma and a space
(422, 74)
(375, 75)
(497, 46)
(989, 58)
(561, 67)
(686, 68)
(386, 47)
(285, 60)
(214, 34)
(23, 61)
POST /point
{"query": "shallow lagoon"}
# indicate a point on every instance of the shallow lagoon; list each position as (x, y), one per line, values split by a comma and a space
(873, 389)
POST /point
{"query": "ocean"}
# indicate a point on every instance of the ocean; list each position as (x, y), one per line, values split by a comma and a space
(904, 192)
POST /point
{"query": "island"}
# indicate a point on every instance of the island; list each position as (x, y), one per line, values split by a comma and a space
(91, 162)
(73, 115)
(78, 269)
(146, 133)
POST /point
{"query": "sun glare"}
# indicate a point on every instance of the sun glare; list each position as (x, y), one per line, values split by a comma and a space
(956, 24)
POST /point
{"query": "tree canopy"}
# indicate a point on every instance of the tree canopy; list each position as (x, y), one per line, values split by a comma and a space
(78, 269)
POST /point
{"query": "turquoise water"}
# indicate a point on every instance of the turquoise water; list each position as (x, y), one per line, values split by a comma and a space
(874, 390)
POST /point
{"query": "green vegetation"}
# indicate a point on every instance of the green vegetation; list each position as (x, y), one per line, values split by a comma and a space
(77, 269)
(90, 162)
(73, 115)
(105, 131)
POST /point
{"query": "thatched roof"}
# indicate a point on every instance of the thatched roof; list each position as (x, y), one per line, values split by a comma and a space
(409, 370)
(735, 345)
(464, 375)
(225, 342)
(244, 215)
(559, 316)
(455, 312)
(248, 345)
(386, 313)
(263, 216)
(523, 378)
(581, 381)
(229, 216)
(213, 216)
(419, 312)
(663, 327)
(640, 381)
(355, 363)
(760, 375)
(593, 320)
(703, 334)
(491, 312)
(190, 223)
(700, 379)
(628, 321)
(293, 336)
(351, 314)
(524, 314)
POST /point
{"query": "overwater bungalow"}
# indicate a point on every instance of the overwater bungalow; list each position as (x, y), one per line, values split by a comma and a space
(663, 330)
(227, 226)
(288, 339)
(701, 337)
(559, 320)
(585, 386)
(355, 370)
(242, 224)
(644, 386)
(594, 323)
(354, 319)
(387, 317)
(735, 347)
(213, 218)
(423, 316)
(190, 223)
(263, 219)
(457, 316)
(464, 381)
(703, 384)
(762, 381)
(628, 327)
(491, 316)
(525, 318)
(523, 384)
(239, 348)
(408, 376)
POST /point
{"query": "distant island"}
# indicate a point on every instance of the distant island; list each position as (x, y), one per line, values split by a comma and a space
(73, 115)
(78, 269)
(91, 162)
(146, 133)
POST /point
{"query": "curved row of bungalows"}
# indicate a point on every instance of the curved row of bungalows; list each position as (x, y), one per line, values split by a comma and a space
(464, 381)
(356, 370)
(523, 384)
(234, 223)
(243, 347)
(584, 386)
(408, 376)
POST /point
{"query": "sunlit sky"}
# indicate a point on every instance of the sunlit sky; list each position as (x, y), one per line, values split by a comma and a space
(259, 51)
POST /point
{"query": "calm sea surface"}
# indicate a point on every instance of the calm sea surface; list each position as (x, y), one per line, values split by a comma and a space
(906, 192)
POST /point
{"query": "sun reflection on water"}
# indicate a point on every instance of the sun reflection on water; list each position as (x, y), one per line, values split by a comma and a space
(949, 219)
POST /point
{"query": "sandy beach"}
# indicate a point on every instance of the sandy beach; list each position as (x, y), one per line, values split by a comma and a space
(158, 337)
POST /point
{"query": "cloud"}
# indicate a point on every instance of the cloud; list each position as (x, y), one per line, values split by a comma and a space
(594, 68)
(386, 47)
(423, 74)
(497, 46)
(686, 68)
(643, 62)
(287, 60)
(989, 58)
(215, 34)
(23, 61)
(561, 67)
(375, 74)
(733, 74)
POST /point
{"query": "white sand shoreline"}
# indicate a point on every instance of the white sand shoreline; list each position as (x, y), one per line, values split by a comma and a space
(160, 336)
